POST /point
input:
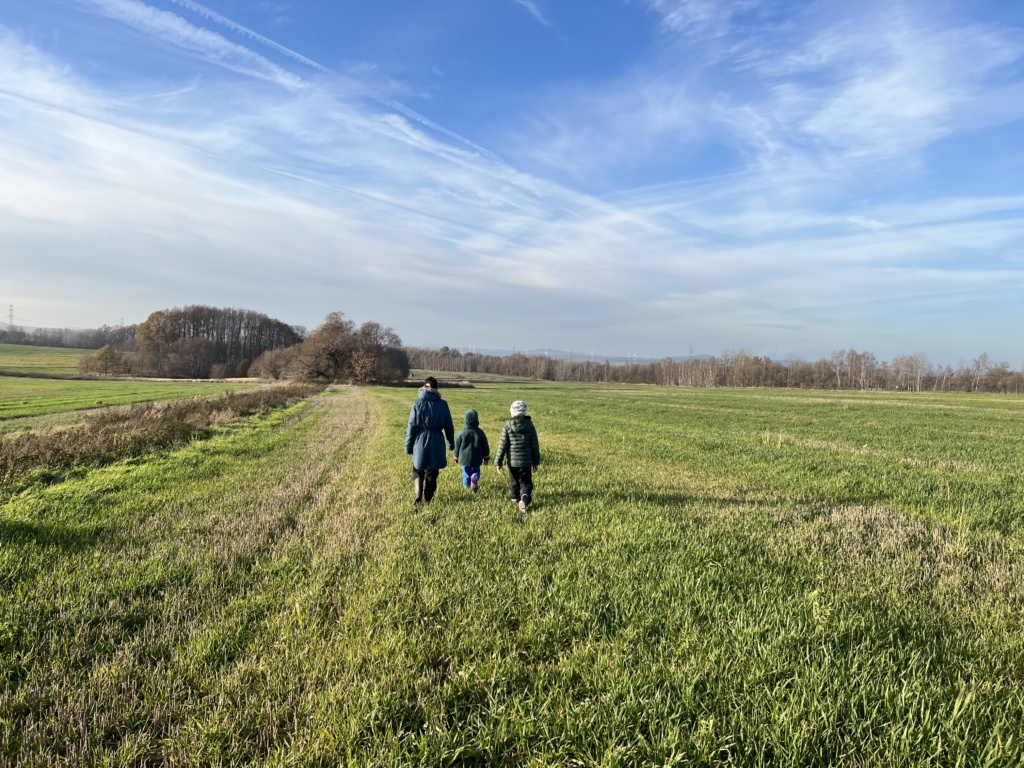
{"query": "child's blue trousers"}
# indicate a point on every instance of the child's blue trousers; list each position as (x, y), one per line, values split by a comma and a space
(468, 472)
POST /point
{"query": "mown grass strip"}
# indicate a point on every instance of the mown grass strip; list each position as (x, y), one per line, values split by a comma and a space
(120, 631)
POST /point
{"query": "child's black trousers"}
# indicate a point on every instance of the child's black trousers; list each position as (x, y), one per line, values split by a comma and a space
(520, 480)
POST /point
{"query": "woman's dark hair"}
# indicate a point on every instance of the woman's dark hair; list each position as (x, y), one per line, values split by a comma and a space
(431, 382)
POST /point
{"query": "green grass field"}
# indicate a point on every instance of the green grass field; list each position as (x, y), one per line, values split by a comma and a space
(707, 577)
(22, 358)
(56, 401)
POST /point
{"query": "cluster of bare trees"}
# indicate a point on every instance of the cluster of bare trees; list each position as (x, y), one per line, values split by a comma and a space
(193, 342)
(338, 351)
(517, 364)
(535, 366)
(68, 337)
(206, 342)
(849, 369)
(845, 369)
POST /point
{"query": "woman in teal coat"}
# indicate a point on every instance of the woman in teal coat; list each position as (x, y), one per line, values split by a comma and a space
(429, 433)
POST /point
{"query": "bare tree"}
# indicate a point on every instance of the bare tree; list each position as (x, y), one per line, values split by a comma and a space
(338, 351)
(379, 356)
(978, 369)
(326, 354)
(839, 366)
(918, 369)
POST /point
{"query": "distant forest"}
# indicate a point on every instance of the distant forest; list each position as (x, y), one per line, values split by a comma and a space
(193, 342)
(68, 338)
(210, 342)
(845, 369)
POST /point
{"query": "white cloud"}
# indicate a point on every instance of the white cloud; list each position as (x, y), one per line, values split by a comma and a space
(300, 201)
(595, 135)
(534, 11)
(213, 52)
(699, 17)
(904, 87)
(812, 88)
(215, 48)
(211, 15)
(348, 181)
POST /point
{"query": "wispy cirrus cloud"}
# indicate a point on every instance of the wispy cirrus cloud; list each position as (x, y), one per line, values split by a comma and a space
(279, 12)
(807, 95)
(886, 87)
(218, 50)
(215, 48)
(358, 182)
(211, 15)
(302, 200)
(593, 137)
(699, 17)
(534, 11)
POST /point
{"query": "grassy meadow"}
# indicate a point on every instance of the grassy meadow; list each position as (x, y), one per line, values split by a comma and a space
(27, 403)
(21, 358)
(707, 577)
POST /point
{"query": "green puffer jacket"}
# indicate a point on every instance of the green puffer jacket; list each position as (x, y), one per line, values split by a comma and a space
(471, 448)
(519, 445)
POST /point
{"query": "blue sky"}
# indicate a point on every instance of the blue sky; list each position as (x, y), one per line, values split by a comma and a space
(648, 176)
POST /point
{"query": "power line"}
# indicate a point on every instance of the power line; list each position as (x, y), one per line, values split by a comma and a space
(36, 324)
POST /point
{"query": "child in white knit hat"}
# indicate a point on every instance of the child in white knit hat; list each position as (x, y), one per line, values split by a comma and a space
(520, 447)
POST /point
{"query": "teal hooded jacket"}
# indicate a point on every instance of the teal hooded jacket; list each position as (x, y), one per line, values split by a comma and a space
(430, 430)
(471, 448)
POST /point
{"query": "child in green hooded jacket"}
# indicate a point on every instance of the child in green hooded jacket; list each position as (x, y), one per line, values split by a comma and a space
(471, 450)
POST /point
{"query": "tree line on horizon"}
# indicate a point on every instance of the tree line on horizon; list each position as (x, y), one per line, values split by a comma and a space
(68, 338)
(202, 342)
(195, 341)
(845, 369)
(199, 341)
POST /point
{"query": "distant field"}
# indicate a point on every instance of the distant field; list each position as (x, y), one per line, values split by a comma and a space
(21, 397)
(709, 577)
(21, 358)
(474, 378)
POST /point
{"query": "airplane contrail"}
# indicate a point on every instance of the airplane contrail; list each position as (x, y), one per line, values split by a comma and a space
(212, 15)
(176, 30)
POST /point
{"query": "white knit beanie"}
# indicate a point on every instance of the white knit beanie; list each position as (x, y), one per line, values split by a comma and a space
(518, 408)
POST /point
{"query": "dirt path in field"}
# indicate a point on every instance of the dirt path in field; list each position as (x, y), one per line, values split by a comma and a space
(292, 496)
(188, 580)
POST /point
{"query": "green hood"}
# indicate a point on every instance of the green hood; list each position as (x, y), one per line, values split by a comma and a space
(471, 419)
